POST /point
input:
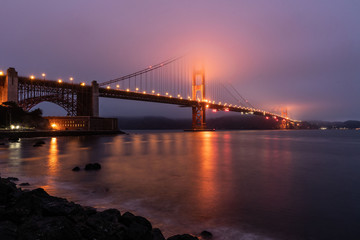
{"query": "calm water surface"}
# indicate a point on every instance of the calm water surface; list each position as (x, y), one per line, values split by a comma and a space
(236, 184)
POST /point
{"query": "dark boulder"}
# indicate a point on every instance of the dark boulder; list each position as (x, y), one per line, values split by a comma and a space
(24, 184)
(40, 142)
(206, 235)
(76, 169)
(92, 166)
(55, 228)
(13, 179)
(183, 237)
(157, 234)
(8, 230)
(13, 139)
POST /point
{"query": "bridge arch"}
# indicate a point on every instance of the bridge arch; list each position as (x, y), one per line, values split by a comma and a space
(29, 103)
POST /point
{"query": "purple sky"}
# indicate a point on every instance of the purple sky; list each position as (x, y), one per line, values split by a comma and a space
(303, 55)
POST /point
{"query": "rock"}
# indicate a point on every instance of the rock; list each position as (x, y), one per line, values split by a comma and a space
(55, 228)
(13, 179)
(40, 142)
(37, 215)
(206, 235)
(24, 184)
(183, 237)
(13, 139)
(92, 166)
(76, 169)
(8, 230)
(157, 234)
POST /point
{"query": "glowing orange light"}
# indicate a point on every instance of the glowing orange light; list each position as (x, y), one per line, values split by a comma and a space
(82, 84)
(207, 105)
(108, 87)
(59, 81)
(32, 77)
(53, 125)
(1, 73)
(71, 78)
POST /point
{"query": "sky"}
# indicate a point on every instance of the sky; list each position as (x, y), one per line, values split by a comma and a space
(301, 55)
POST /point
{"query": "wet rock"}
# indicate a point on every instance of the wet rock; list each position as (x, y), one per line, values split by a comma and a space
(92, 166)
(37, 215)
(8, 230)
(157, 234)
(76, 169)
(206, 235)
(55, 228)
(40, 142)
(13, 139)
(183, 237)
(13, 179)
(24, 184)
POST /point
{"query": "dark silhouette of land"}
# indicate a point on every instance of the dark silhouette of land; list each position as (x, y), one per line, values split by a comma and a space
(246, 122)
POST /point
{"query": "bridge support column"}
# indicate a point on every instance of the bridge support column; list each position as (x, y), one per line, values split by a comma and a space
(198, 117)
(198, 94)
(9, 88)
(95, 98)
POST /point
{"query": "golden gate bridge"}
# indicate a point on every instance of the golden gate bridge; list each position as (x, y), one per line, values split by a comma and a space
(175, 81)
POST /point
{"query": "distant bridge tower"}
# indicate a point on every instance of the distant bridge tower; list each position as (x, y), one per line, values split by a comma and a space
(284, 123)
(198, 94)
(284, 112)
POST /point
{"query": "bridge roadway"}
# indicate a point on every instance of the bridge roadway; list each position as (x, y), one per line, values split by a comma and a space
(36, 84)
(138, 96)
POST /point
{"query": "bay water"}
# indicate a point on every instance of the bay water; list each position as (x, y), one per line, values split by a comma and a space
(236, 184)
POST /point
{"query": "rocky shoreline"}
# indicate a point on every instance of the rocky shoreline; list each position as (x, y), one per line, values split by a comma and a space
(34, 214)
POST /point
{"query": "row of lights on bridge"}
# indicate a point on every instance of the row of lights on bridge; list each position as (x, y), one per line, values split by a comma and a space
(71, 79)
(32, 77)
(204, 100)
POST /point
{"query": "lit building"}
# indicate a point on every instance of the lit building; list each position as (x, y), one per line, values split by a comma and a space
(83, 123)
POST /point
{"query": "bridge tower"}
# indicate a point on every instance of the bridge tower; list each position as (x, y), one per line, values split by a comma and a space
(284, 123)
(198, 94)
(9, 86)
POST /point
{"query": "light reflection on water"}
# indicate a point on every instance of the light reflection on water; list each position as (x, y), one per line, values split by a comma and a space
(242, 183)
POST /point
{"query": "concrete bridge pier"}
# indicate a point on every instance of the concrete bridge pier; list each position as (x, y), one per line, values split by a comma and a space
(95, 98)
(9, 87)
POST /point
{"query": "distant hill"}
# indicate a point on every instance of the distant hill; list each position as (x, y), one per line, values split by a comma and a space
(228, 122)
(350, 124)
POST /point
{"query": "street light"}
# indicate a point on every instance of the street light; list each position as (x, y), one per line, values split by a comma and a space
(43, 75)
(32, 77)
(60, 80)
(1, 73)
(71, 79)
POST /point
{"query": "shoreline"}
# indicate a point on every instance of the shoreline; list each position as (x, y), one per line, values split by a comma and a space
(34, 214)
(55, 133)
